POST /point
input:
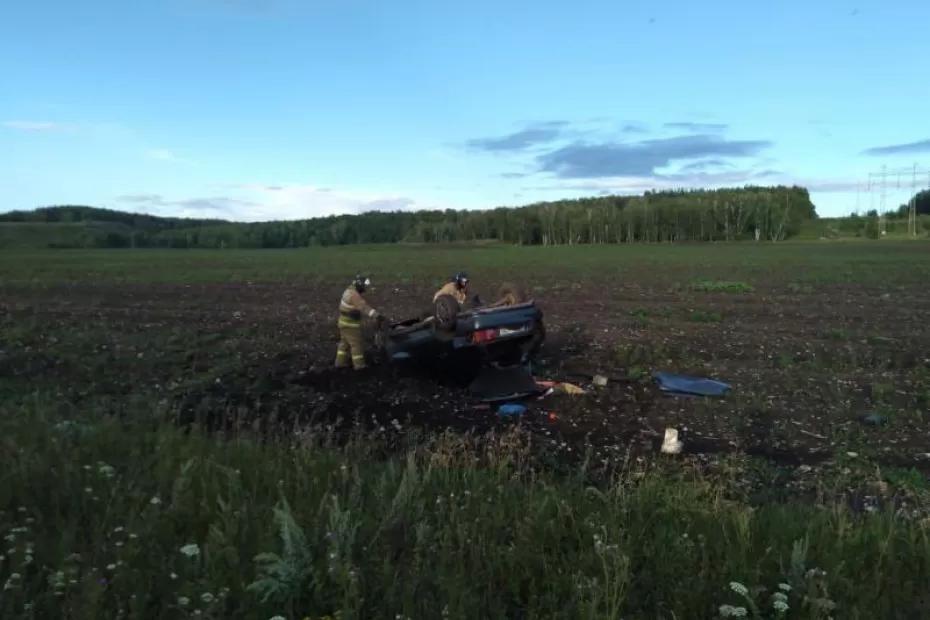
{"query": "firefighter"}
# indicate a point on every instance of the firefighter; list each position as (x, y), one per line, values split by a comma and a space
(352, 309)
(457, 287)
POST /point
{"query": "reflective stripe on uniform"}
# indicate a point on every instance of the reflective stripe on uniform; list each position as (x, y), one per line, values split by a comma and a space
(350, 323)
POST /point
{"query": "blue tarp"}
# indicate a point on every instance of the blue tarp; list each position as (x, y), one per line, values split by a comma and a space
(512, 409)
(695, 386)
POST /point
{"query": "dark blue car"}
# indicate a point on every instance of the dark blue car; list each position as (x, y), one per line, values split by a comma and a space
(500, 334)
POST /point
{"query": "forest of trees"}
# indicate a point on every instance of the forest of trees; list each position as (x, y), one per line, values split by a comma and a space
(922, 200)
(758, 213)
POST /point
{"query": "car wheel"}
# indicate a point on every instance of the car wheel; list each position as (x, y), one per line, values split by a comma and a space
(446, 310)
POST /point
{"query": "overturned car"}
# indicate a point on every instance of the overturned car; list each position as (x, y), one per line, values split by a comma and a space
(468, 339)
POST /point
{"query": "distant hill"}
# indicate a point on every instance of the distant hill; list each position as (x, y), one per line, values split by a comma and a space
(768, 213)
(72, 226)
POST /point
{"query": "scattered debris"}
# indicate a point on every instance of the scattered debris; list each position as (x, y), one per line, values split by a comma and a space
(682, 384)
(599, 380)
(873, 419)
(810, 434)
(569, 388)
(671, 444)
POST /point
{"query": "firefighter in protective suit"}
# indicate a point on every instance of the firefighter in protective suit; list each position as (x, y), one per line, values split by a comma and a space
(352, 309)
(457, 287)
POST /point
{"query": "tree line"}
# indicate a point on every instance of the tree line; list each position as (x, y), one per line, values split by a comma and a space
(758, 213)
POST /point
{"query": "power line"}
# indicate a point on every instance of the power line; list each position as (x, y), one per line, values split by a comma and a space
(891, 178)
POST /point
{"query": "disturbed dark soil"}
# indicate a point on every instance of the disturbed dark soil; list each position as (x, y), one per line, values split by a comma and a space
(805, 366)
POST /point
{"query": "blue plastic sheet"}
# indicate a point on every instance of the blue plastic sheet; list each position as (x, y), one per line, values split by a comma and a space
(692, 386)
(513, 409)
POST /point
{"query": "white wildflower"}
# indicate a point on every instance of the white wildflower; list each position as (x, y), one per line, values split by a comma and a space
(133, 536)
(107, 471)
(88, 490)
(21, 509)
(183, 601)
(739, 588)
(117, 530)
(277, 618)
(191, 550)
(173, 576)
(784, 587)
(780, 606)
(207, 597)
(111, 566)
(12, 581)
(27, 560)
(780, 596)
(729, 611)
(155, 500)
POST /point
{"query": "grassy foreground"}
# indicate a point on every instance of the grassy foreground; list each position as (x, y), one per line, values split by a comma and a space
(130, 518)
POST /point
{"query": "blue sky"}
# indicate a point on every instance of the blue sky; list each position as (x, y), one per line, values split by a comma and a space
(262, 109)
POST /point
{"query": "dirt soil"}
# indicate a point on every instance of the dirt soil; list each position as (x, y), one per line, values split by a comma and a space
(805, 367)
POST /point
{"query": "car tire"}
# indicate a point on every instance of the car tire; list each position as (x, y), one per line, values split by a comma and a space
(446, 310)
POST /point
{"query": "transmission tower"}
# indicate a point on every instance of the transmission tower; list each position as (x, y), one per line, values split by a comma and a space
(912, 211)
(892, 178)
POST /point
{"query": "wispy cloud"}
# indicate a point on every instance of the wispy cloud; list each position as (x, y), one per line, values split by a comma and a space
(215, 207)
(706, 164)
(167, 155)
(634, 127)
(615, 159)
(921, 146)
(141, 198)
(697, 127)
(538, 133)
(33, 125)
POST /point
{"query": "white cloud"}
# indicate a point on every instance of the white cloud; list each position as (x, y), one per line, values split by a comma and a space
(701, 180)
(261, 202)
(33, 125)
(302, 201)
